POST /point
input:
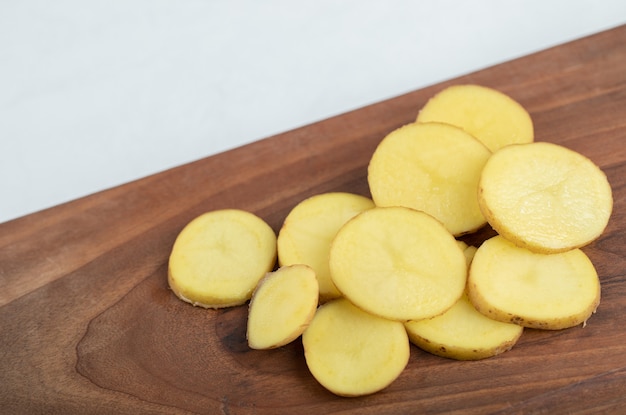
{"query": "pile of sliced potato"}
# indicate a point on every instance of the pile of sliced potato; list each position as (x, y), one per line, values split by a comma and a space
(359, 279)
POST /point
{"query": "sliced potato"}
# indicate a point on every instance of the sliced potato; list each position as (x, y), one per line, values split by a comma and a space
(462, 333)
(282, 306)
(541, 291)
(431, 167)
(545, 197)
(468, 251)
(309, 229)
(398, 263)
(351, 352)
(489, 115)
(219, 257)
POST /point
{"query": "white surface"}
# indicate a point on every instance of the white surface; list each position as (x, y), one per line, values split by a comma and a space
(98, 93)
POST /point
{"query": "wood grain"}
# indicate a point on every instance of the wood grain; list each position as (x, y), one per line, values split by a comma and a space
(89, 326)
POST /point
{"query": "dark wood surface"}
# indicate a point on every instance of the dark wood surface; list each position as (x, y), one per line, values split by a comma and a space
(88, 325)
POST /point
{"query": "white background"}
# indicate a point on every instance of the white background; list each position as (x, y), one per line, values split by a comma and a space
(94, 94)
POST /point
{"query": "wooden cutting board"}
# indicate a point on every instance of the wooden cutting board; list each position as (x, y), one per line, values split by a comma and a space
(88, 325)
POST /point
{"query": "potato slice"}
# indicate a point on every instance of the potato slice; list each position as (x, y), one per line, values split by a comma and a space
(309, 229)
(398, 263)
(219, 257)
(282, 306)
(489, 115)
(468, 251)
(545, 197)
(542, 291)
(430, 167)
(351, 352)
(462, 333)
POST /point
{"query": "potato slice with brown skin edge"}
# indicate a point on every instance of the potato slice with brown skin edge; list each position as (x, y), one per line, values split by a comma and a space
(462, 333)
(309, 229)
(353, 353)
(491, 116)
(431, 167)
(398, 263)
(219, 257)
(282, 306)
(545, 197)
(541, 291)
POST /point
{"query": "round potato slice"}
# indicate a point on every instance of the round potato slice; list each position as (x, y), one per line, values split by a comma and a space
(462, 333)
(431, 167)
(219, 257)
(541, 291)
(398, 263)
(489, 115)
(282, 305)
(309, 229)
(354, 353)
(545, 197)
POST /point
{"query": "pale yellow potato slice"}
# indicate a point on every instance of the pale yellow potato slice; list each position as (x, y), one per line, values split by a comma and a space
(219, 257)
(431, 167)
(398, 263)
(282, 306)
(545, 197)
(353, 353)
(541, 291)
(488, 114)
(468, 251)
(462, 333)
(310, 227)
